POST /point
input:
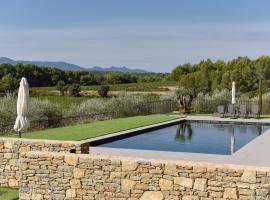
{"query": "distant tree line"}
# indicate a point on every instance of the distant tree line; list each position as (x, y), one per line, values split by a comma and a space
(251, 76)
(47, 76)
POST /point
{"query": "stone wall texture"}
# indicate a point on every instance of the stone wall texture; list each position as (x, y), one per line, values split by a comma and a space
(11, 150)
(47, 175)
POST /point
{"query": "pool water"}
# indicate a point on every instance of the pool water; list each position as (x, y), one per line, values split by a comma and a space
(195, 137)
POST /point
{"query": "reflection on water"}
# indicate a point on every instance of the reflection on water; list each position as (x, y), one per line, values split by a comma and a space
(183, 132)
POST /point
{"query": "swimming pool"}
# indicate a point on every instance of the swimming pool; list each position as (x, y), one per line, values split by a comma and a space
(195, 137)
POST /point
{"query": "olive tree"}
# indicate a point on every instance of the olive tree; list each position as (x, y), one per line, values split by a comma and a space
(185, 97)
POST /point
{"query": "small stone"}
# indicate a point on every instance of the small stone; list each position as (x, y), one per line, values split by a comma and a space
(13, 183)
(8, 145)
(190, 198)
(71, 160)
(170, 169)
(23, 166)
(200, 184)
(75, 183)
(230, 193)
(249, 177)
(115, 175)
(185, 182)
(24, 149)
(152, 195)
(127, 184)
(165, 184)
(37, 197)
(78, 173)
(70, 193)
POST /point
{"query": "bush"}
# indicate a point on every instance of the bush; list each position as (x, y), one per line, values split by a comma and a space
(103, 91)
(39, 110)
(205, 103)
(44, 110)
(123, 105)
(61, 86)
(74, 90)
(8, 110)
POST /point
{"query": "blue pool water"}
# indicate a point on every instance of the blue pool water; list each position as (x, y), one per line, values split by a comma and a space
(196, 137)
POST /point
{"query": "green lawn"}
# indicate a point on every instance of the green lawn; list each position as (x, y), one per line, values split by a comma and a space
(9, 193)
(94, 129)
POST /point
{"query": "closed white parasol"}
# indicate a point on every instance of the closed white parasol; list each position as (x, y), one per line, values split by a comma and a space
(233, 93)
(22, 122)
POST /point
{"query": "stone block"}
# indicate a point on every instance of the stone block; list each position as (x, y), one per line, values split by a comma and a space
(70, 193)
(152, 195)
(165, 184)
(249, 177)
(200, 184)
(230, 193)
(127, 184)
(182, 181)
(71, 160)
(129, 165)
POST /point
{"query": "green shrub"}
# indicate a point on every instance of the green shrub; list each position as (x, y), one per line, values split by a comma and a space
(103, 91)
(74, 90)
(8, 110)
(61, 86)
(44, 110)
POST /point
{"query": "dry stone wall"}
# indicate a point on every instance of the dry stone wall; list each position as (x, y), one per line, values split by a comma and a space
(11, 149)
(47, 175)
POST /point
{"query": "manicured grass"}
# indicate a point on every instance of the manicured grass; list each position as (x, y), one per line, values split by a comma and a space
(9, 193)
(98, 128)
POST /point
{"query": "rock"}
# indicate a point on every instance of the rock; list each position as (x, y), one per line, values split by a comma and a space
(190, 198)
(8, 145)
(152, 195)
(24, 149)
(129, 165)
(165, 184)
(75, 183)
(13, 183)
(182, 181)
(170, 169)
(70, 193)
(200, 184)
(230, 193)
(127, 184)
(249, 177)
(71, 160)
(37, 197)
(78, 173)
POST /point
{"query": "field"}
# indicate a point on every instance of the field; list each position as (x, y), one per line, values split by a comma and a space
(153, 90)
(64, 101)
(129, 87)
(94, 129)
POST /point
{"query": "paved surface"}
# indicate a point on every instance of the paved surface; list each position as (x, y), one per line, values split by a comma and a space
(255, 153)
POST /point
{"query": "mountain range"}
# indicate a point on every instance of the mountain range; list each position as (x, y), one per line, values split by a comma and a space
(69, 66)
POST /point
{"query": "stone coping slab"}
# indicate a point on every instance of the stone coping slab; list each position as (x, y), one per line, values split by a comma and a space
(24, 140)
(254, 153)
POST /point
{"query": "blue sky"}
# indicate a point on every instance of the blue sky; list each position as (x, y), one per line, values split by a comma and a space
(155, 35)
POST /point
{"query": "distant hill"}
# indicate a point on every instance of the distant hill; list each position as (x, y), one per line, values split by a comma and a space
(116, 69)
(70, 66)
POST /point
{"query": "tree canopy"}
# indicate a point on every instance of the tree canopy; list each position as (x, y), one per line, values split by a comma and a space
(208, 76)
